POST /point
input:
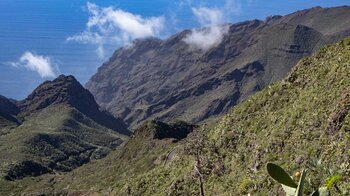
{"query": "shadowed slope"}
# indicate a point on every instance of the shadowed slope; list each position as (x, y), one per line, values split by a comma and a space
(8, 112)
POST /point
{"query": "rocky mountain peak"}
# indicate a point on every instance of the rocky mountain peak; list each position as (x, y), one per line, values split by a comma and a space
(62, 90)
(67, 90)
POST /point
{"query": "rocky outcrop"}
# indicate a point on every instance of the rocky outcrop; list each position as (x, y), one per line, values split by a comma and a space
(159, 130)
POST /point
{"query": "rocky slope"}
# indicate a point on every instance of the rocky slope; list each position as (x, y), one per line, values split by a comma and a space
(56, 128)
(167, 79)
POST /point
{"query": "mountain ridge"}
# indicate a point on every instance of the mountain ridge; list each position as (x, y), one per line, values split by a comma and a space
(57, 128)
(166, 79)
(67, 90)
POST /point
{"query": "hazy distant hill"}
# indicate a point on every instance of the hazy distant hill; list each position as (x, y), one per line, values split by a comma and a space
(166, 79)
(8, 111)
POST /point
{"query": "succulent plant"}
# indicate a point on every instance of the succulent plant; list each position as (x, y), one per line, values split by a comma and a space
(288, 184)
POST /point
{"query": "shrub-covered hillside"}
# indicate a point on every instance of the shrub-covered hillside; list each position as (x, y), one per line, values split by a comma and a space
(300, 122)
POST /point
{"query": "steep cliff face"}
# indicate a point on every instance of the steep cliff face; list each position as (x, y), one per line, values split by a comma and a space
(167, 79)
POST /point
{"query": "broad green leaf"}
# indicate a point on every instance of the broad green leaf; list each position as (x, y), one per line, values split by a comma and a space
(278, 174)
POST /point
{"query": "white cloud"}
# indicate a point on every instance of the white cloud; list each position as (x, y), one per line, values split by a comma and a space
(207, 38)
(211, 36)
(40, 64)
(110, 25)
(213, 19)
(86, 38)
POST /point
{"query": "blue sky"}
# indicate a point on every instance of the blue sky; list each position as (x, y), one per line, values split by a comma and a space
(40, 39)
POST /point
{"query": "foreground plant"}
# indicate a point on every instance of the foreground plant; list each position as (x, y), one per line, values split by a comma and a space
(288, 184)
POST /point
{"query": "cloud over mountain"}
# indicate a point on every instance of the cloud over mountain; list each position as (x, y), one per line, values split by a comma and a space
(206, 38)
(114, 25)
(40, 64)
(212, 19)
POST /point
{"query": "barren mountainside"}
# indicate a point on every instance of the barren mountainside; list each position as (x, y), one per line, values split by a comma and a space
(168, 79)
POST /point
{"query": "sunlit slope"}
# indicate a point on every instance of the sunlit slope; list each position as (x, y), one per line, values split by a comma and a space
(300, 122)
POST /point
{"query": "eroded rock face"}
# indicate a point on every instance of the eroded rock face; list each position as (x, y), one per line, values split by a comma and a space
(167, 79)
